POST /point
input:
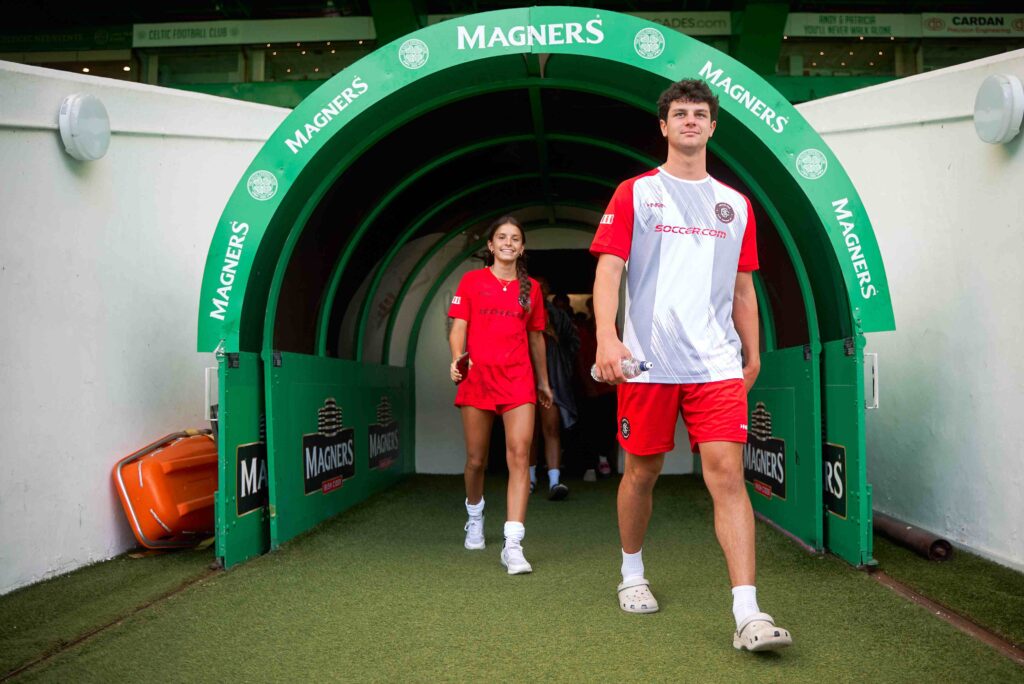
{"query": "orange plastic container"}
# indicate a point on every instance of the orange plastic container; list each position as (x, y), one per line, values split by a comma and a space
(167, 489)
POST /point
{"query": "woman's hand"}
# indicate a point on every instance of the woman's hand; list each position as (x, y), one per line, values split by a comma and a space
(454, 373)
(545, 397)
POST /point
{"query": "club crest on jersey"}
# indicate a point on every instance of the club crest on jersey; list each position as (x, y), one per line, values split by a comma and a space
(625, 428)
(608, 219)
(456, 299)
(724, 212)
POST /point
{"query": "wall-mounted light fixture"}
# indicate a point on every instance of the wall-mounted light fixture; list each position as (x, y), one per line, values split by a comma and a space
(84, 127)
(999, 108)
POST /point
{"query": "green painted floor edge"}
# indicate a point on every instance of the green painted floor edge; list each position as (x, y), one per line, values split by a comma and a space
(386, 592)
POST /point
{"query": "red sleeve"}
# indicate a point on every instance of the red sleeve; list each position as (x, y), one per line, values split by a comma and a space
(538, 317)
(748, 249)
(460, 306)
(615, 234)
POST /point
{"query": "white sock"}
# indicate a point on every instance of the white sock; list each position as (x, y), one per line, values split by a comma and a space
(475, 510)
(514, 532)
(553, 474)
(632, 564)
(744, 602)
(533, 474)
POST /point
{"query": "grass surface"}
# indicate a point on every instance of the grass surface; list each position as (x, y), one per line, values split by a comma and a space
(986, 592)
(386, 592)
(43, 617)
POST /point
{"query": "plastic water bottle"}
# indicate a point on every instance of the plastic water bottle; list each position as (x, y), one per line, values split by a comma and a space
(630, 368)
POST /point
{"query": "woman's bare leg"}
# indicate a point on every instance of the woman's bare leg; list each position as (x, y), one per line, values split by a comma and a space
(476, 426)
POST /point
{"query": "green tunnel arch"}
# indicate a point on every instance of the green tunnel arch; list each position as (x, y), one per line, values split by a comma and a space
(761, 138)
(390, 170)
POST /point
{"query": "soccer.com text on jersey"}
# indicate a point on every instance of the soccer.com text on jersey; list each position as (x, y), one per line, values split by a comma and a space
(690, 230)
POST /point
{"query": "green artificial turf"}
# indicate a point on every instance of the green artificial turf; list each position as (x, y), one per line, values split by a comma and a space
(386, 592)
(987, 593)
(43, 617)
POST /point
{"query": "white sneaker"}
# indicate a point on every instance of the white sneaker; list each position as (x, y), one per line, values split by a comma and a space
(475, 533)
(513, 559)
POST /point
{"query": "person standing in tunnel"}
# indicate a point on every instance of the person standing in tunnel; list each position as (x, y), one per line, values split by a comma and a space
(687, 242)
(561, 342)
(497, 322)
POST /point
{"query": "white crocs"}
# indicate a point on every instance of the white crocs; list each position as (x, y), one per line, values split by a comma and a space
(759, 633)
(635, 596)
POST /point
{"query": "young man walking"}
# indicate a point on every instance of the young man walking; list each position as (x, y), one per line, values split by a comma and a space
(687, 243)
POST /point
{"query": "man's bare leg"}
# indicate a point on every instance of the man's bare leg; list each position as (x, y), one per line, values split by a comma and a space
(722, 465)
(635, 498)
(635, 503)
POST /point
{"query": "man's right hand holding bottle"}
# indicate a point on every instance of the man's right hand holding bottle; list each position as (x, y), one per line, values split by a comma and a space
(610, 352)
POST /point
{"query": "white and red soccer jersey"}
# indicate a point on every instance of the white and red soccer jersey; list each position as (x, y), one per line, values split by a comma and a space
(683, 242)
(497, 341)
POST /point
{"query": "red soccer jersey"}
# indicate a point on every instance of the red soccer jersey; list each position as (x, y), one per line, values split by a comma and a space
(497, 341)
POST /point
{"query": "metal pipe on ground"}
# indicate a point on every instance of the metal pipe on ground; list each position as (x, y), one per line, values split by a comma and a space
(924, 543)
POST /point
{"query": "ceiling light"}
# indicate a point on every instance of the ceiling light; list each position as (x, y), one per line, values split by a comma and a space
(879, 53)
(126, 68)
(85, 70)
(328, 43)
(861, 37)
(842, 64)
(851, 53)
(332, 52)
(274, 53)
(316, 68)
(268, 44)
(303, 52)
(871, 64)
(822, 53)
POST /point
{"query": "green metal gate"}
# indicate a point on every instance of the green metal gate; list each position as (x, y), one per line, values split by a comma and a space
(339, 432)
(240, 503)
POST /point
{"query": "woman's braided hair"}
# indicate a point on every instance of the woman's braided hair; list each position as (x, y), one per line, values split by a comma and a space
(523, 276)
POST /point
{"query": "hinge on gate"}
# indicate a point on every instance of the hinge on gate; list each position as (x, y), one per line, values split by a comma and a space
(233, 360)
(807, 352)
(277, 359)
(849, 348)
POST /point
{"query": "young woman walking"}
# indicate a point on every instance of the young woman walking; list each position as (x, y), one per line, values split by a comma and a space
(497, 320)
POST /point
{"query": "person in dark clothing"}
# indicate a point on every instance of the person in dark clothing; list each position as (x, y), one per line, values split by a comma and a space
(596, 403)
(562, 343)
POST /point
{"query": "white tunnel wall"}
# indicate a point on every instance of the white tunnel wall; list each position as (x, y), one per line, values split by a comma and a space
(943, 449)
(100, 268)
(439, 443)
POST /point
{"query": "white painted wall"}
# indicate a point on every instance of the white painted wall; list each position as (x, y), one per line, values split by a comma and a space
(944, 448)
(439, 443)
(100, 266)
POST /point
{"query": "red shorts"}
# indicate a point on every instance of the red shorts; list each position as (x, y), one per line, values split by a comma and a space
(712, 412)
(497, 388)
